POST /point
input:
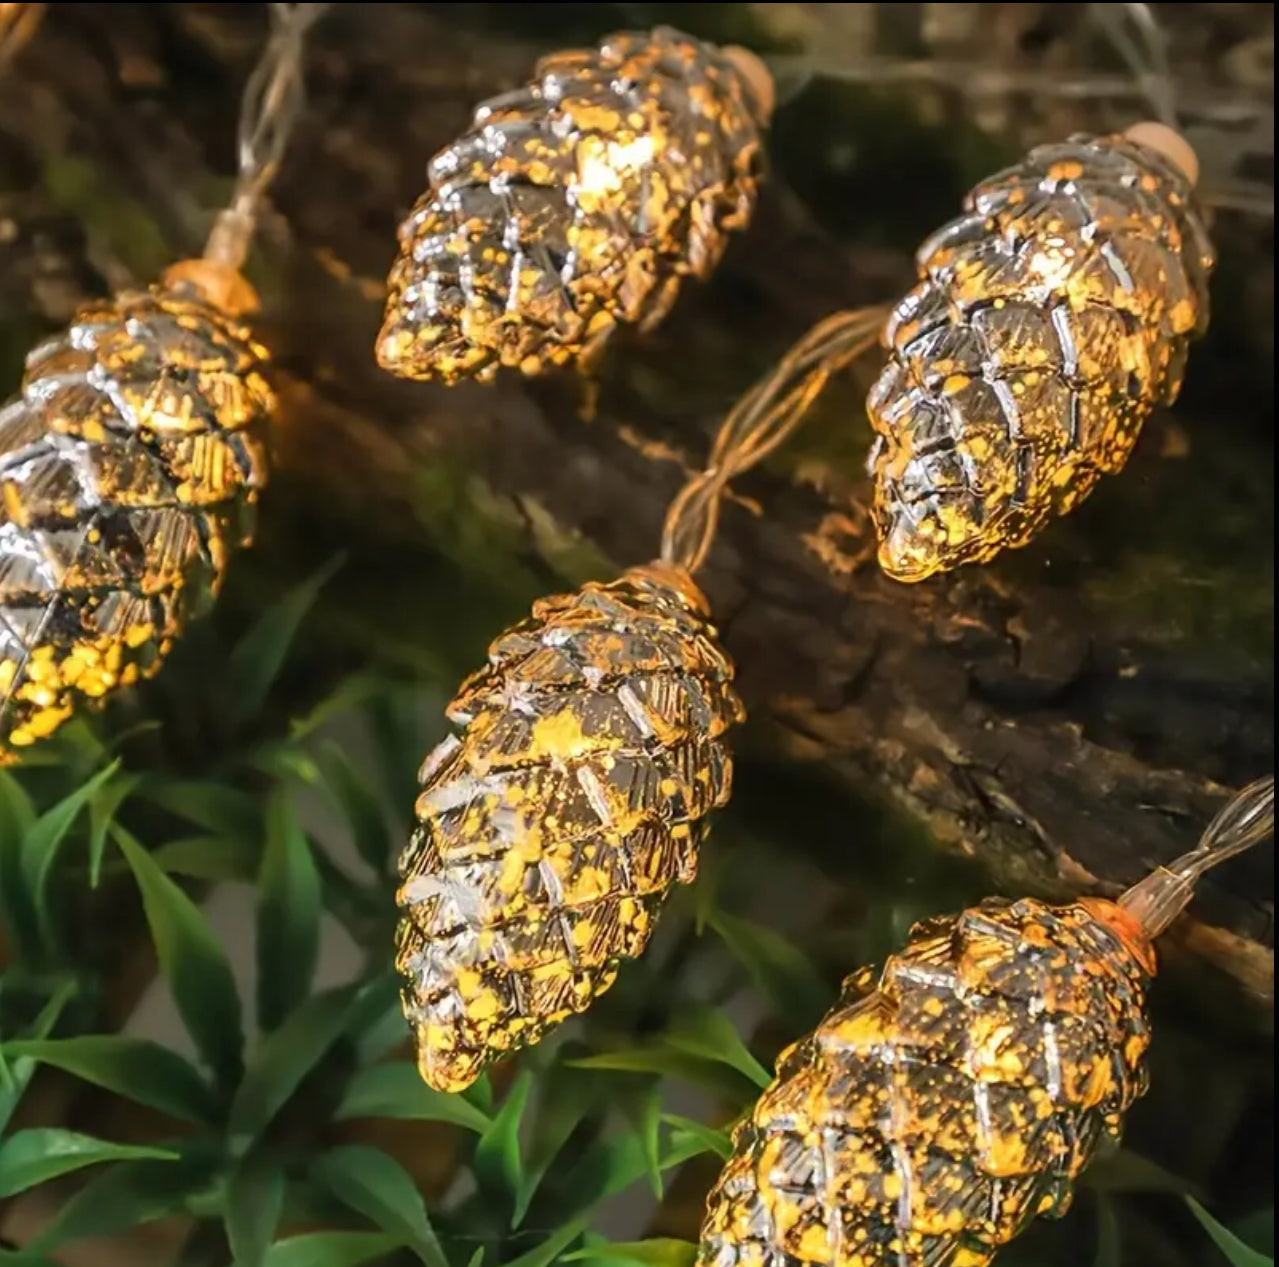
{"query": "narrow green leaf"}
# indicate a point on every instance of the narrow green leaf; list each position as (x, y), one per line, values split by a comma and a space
(288, 915)
(644, 1110)
(550, 1251)
(347, 696)
(16, 1073)
(477, 1258)
(701, 1031)
(17, 896)
(661, 1252)
(712, 1141)
(254, 1200)
(284, 1058)
(102, 810)
(32, 1157)
(365, 816)
(780, 971)
(192, 963)
(46, 835)
(1237, 1253)
(135, 1068)
(16, 811)
(565, 1097)
(209, 858)
(1109, 1244)
(222, 811)
(330, 1249)
(1126, 1171)
(396, 1090)
(498, 1162)
(714, 1075)
(256, 660)
(374, 1184)
(1258, 1230)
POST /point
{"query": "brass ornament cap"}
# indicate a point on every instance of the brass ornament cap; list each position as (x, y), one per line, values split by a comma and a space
(574, 203)
(129, 462)
(1049, 321)
(552, 825)
(934, 1113)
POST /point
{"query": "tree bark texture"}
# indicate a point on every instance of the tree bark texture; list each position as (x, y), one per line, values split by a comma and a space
(1070, 716)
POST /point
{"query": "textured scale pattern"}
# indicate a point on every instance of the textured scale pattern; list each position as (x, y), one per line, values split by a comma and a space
(930, 1117)
(128, 461)
(1050, 319)
(551, 828)
(572, 204)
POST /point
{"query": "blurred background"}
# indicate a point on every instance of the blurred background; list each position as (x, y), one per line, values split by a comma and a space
(1054, 724)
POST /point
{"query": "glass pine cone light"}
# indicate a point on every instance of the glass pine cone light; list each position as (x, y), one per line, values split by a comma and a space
(935, 1112)
(1050, 320)
(574, 203)
(552, 826)
(128, 461)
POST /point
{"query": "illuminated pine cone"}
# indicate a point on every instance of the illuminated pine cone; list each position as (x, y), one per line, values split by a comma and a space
(574, 203)
(127, 463)
(551, 828)
(1050, 321)
(927, 1121)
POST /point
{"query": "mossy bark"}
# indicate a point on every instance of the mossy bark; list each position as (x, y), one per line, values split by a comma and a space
(1070, 716)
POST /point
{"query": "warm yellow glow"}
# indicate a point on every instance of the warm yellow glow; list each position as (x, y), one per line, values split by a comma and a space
(601, 174)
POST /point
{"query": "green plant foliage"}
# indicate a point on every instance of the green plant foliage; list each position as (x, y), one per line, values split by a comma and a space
(299, 1133)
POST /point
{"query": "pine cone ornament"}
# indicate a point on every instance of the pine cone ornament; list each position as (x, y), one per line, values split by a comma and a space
(927, 1121)
(551, 828)
(127, 464)
(1049, 322)
(574, 203)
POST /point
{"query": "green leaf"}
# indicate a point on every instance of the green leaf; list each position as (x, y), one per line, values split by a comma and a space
(661, 1251)
(498, 1162)
(396, 1090)
(254, 1200)
(45, 838)
(375, 1185)
(712, 1141)
(550, 1250)
(565, 1097)
(1237, 1253)
(703, 1032)
(16, 1074)
(284, 1058)
(102, 810)
(222, 811)
(209, 858)
(365, 816)
(780, 971)
(1258, 1230)
(288, 915)
(256, 660)
(1126, 1171)
(330, 1249)
(477, 1258)
(32, 1157)
(192, 962)
(711, 1074)
(1109, 1244)
(644, 1110)
(139, 1070)
(16, 811)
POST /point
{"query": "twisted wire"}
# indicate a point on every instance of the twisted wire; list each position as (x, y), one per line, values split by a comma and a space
(760, 421)
(273, 100)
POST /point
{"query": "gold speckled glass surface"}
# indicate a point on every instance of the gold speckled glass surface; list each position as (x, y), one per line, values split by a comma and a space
(1050, 319)
(932, 1115)
(127, 463)
(551, 827)
(571, 204)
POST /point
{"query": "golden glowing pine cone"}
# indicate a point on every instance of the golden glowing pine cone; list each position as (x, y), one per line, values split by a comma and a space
(127, 465)
(574, 203)
(1050, 320)
(551, 828)
(926, 1121)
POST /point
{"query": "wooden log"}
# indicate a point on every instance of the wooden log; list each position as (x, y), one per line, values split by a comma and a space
(1069, 717)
